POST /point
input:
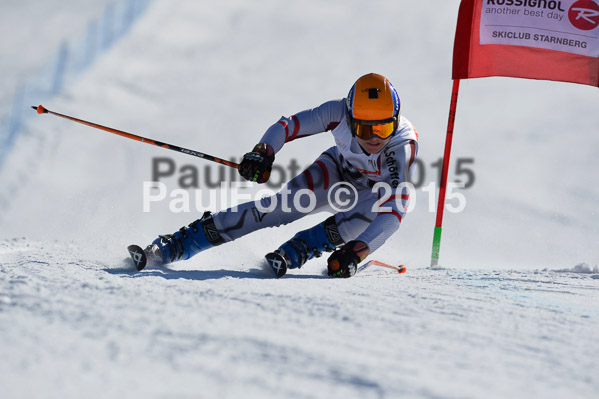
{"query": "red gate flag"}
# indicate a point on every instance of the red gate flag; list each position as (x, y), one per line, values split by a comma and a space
(535, 39)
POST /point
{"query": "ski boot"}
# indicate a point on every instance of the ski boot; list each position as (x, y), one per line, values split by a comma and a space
(304, 246)
(185, 243)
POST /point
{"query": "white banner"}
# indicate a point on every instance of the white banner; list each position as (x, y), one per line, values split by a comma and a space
(562, 25)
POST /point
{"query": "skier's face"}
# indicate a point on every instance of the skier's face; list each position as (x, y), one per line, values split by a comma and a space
(374, 145)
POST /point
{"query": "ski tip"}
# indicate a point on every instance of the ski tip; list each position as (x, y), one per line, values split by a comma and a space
(138, 256)
(277, 263)
(401, 269)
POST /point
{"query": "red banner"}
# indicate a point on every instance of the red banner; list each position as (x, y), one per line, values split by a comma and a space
(535, 39)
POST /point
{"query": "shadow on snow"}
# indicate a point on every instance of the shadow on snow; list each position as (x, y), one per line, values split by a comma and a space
(170, 274)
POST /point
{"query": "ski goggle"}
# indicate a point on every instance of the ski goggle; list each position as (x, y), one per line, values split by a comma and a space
(369, 129)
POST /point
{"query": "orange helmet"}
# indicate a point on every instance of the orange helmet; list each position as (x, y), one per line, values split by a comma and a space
(373, 107)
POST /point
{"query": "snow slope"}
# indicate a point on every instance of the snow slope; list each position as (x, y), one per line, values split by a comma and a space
(498, 321)
(78, 327)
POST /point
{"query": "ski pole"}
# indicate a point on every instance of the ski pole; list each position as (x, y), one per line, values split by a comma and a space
(41, 110)
(399, 269)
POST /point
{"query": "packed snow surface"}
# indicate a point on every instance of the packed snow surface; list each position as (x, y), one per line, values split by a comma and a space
(75, 327)
(513, 311)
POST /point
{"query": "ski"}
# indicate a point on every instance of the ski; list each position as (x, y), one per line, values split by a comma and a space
(138, 256)
(399, 269)
(277, 263)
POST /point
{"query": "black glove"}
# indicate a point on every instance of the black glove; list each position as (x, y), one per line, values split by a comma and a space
(344, 261)
(256, 165)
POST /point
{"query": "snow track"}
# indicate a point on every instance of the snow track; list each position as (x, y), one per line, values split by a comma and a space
(81, 326)
(76, 321)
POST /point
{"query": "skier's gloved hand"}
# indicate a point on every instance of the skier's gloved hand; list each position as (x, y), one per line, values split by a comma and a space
(256, 165)
(344, 261)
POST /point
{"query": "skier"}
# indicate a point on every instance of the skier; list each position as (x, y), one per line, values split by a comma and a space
(374, 144)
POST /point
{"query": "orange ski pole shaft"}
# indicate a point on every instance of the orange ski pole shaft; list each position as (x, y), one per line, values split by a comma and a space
(400, 268)
(42, 110)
